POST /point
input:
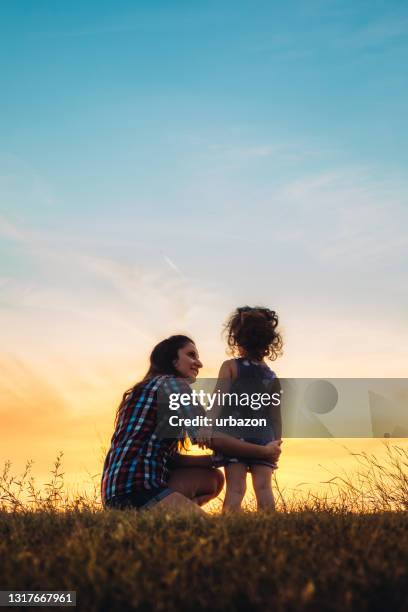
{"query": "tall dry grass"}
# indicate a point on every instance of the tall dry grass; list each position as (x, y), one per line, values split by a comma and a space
(373, 486)
(21, 492)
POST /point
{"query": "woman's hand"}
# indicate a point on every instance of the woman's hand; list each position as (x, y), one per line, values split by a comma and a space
(274, 450)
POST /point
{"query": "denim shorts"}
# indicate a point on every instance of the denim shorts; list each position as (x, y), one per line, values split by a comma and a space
(145, 499)
(250, 462)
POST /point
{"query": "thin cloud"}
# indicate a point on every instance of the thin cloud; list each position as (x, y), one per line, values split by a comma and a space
(71, 302)
(349, 216)
(173, 266)
(231, 155)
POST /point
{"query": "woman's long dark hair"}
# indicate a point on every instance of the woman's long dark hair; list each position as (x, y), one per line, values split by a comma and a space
(162, 360)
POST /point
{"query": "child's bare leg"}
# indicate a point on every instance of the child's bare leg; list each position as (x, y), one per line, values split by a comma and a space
(262, 481)
(235, 476)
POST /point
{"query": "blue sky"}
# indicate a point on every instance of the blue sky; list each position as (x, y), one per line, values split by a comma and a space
(110, 100)
(161, 163)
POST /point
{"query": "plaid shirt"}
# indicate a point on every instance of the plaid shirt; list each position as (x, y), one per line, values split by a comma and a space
(137, 459)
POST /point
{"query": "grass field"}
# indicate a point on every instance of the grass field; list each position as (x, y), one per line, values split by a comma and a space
(296, 561)
(316, 554)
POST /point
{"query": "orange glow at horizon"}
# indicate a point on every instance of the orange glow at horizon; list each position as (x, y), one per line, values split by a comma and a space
(66, 401)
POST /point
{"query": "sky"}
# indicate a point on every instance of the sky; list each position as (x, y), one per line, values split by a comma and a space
(162, 163)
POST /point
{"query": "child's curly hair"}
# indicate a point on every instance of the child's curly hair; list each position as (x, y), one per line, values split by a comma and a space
(254, 330)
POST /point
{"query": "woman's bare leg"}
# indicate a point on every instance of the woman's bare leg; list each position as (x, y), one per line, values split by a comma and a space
(199, 485)
(235, 474)
(262, 481)
(192, 488)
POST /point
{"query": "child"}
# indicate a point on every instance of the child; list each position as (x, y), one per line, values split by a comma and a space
(251, 333)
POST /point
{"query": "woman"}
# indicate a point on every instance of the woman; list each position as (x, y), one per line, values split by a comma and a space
(143, 469)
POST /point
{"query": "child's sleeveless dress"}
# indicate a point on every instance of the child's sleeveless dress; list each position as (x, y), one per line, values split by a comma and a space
(251, 378)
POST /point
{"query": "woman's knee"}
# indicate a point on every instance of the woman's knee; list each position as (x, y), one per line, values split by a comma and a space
(193, 482)
(211, 483)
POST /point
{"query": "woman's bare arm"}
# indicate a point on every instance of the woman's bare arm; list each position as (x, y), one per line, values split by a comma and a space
(228, 445)
(178, 461)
